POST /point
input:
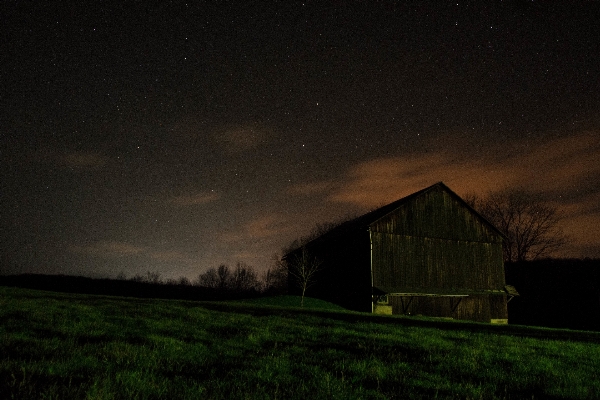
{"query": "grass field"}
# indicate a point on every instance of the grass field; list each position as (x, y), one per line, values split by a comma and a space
(77, 346)
(292, 301)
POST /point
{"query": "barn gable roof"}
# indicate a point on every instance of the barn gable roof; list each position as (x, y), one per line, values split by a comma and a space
(364, 221)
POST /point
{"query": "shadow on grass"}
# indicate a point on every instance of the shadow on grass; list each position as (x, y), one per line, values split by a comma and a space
(420, 322)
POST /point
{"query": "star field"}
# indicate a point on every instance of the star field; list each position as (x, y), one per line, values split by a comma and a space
(178, 136)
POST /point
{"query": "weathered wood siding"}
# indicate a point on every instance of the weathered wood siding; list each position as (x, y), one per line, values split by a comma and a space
(482, 308)
(436, 242)
(436, 214)
(401, 261)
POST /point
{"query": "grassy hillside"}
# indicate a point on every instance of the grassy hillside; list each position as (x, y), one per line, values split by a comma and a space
(81, 346)
(294, 302)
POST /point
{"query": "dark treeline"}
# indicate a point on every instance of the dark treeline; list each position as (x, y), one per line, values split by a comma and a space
(237, 283)
(114, 287)
(243, 278)
(556, 293)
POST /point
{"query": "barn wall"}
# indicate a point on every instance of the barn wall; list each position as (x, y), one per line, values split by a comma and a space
(481, 308)
(426, 263)
(436, 214)
(499, 307)
(436, 241)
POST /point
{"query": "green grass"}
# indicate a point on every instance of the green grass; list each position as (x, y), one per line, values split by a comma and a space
(59, 346)
(294, 302)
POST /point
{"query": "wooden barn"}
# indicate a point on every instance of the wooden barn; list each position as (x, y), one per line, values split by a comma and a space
(426, 254)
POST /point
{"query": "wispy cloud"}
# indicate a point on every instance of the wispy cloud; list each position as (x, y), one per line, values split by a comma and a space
(310, 188)
(170, 256)
(195, 199)
(564, 170)
(109, 248)
(375, 182)
(76, 160)
(261, 228)
(119, 249)
(256, 240)
(372, 183)
(241, 138)
(581, 223)
(555, 166)
(84, 160)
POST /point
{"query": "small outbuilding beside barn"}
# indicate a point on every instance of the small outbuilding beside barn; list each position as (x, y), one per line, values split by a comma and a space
(427, 254)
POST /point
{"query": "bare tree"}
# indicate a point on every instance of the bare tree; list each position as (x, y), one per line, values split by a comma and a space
(275, 278)
(244, 278)
(530, 225)
(153, 277)
(209, 279)
(303, 268)
(184, 281)
(171, 281)
(137, 278)
(223, 276)
(181, 281)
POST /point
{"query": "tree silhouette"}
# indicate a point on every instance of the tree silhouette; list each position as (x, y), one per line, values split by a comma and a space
(275, 279)
(216, 278)
(529, 224)
(223, 276)
(303, 267)
(244, 278)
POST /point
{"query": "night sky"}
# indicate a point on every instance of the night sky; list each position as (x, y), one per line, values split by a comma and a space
(175, 137)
